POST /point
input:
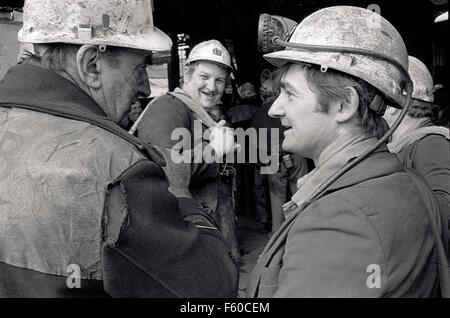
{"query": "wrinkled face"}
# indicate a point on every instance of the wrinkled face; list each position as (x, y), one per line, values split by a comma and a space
(206, 84)
(124, 82)
(308, 130)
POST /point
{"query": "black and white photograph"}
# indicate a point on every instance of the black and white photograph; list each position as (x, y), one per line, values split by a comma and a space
(224, 152)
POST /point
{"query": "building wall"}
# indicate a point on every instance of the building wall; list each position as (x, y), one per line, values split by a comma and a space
(9, 45)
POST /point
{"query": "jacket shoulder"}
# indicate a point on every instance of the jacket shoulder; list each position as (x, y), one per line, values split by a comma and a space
(328, 251)
(164, 115)
(380, 221)
(58, 167)
(169, 104)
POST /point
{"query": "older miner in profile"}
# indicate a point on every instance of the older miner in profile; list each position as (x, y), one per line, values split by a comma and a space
(85, 206)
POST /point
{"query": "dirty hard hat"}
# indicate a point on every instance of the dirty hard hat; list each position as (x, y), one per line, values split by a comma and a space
(108, 22)
(423, 82)
(352, 40)
(211, 51)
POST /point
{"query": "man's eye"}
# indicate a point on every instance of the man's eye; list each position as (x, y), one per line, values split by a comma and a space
(203, 77)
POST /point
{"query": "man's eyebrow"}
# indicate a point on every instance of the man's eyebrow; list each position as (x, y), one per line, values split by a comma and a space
(205, 73)
(287, 86)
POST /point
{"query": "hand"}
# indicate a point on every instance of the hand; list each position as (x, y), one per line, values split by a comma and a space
(222, 139)
(178, 175)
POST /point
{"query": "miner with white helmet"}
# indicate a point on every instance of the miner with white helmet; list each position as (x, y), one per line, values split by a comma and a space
(419, 144)
(85, 206)
(360, 225)
(177, 122)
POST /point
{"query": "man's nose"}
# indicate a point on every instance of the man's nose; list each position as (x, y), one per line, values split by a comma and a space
(144, 89)
(276, 110)
(211, 85)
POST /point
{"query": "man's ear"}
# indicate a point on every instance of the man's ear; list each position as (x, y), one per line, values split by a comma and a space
(89, 66)
(348, 106)
(187, 76)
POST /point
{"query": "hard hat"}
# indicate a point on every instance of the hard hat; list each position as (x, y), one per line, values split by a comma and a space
(107, 22)
(211, 51)
(247, 90)
(355, 41)
(423, 82)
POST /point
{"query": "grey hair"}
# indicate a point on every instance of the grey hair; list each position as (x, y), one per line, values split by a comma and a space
(58, 56)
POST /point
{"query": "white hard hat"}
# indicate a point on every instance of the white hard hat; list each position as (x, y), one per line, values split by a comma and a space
(107, 22)
(423, 82)
(354, 28)
(211, 51)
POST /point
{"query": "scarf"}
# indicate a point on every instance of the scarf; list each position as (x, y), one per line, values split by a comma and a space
(199, 112)
(412, 136)
(309, 183)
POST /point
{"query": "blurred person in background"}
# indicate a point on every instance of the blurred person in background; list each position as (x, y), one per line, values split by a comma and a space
(419, 144)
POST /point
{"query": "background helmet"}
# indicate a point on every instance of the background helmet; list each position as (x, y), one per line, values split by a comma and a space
(423, 82)
(355, 28)
(107, 22)
(211, 51)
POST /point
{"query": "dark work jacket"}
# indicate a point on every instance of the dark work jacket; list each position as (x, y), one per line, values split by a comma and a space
(430, 156)
(165, 116)
(373, 219)
(147, 240)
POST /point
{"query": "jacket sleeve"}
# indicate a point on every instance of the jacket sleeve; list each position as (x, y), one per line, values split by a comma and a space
(170, 118)
(332, 251)
(162, 118)
(432, 161)
(150, 250)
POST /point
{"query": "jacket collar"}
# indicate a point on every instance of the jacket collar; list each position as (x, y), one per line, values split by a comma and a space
(35, 87)
(378, 163)
(31, 87)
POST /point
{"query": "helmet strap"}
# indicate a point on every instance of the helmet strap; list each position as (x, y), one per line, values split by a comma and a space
(378, 105)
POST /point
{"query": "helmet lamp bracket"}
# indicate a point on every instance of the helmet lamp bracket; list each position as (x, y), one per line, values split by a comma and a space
(271, 27)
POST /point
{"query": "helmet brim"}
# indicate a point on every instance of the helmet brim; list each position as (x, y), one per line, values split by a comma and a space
(227, 68)
(155, 41)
